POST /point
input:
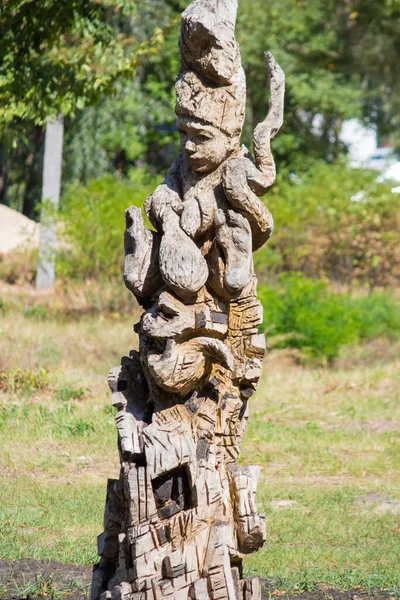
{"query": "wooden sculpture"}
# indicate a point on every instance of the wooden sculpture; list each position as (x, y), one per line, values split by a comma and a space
(182, 515)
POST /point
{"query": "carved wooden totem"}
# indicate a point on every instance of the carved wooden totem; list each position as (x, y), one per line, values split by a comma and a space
(182, 515)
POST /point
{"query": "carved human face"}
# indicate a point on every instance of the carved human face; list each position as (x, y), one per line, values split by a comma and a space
(205, 146)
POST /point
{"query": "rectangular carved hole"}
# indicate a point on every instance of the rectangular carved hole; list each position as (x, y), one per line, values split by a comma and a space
(172, 492)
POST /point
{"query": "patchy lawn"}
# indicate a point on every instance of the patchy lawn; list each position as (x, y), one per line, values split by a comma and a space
(328, 441)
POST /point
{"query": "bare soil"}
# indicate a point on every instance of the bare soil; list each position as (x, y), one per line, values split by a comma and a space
(29, 579)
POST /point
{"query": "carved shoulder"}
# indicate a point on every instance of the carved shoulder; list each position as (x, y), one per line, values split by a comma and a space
(167, 194)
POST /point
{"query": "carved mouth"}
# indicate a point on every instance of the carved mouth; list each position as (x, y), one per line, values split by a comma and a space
(198, 163)
(192, 155)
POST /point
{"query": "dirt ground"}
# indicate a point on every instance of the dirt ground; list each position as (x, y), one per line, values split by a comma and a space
(29, 579)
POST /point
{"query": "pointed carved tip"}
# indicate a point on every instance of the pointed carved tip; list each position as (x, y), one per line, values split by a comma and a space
(275, 71)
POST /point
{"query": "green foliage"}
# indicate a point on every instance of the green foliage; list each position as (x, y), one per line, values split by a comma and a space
(333, 222)
(4, 306)
(103, 53)
(312, 319)
(340, 61)
(59, 56)
(19, 266)
(375, 50)
(376, 315)
(135, 126)
(93, 226)
(79, 57)
(302, 313)
(38, 312)
(138, 122)
(311, 42)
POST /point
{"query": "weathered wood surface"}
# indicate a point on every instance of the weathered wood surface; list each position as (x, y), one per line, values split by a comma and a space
(182, 515)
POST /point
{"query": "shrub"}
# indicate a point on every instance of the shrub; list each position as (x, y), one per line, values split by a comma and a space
(312, 319)
(18, 266)
(377, 315)
(93, 223)
(16, 380)
(304, 314)
(334, 222)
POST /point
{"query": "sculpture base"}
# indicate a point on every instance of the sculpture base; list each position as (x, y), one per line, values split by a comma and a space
(179, 525)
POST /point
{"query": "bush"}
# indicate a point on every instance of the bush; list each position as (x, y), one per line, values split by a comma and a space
(18, 266)
(334, 222)
(93, 223)
(377, 315)
(16, 380)
(304, 314)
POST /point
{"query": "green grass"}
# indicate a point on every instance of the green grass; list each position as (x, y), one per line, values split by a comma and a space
(54, 520)
(48, 586)
(323, 437)
(322, 538)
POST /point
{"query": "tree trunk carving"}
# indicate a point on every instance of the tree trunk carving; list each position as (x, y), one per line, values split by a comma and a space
(182, 514)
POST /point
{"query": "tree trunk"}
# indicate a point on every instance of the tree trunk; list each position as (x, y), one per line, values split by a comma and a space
(50, 201)
(182, 515)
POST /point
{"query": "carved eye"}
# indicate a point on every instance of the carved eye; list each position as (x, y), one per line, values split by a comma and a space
(202, 138)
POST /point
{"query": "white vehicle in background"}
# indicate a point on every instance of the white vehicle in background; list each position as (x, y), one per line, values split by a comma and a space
(392, 173)
(387, 163)
(363, 151)
(381, 160)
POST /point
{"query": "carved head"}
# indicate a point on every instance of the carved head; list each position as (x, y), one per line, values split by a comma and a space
(205, 146)
(211, 87)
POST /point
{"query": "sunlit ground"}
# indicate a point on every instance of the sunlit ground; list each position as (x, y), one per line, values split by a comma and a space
(328, 441)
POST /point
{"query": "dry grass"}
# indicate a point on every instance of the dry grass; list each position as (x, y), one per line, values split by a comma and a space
(324, 438)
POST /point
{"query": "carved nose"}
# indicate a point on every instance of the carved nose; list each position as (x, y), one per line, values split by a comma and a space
(236, 279)
(190, 147)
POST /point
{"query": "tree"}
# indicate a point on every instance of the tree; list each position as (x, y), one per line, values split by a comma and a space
(341, 59)
(310, 41)
(59, 56)
(331, 76)
(376, 52)
(137, 125)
